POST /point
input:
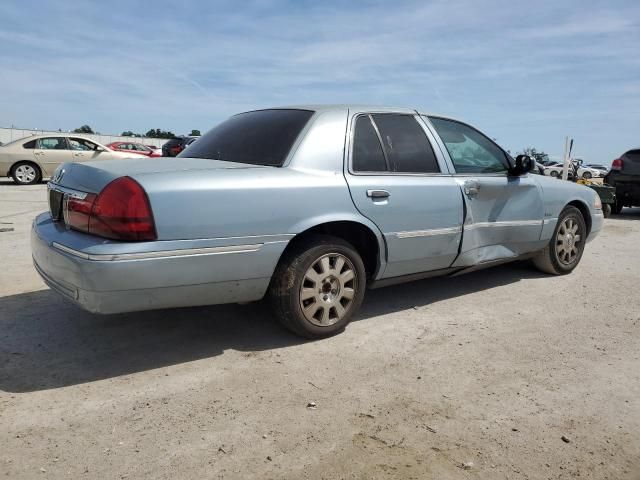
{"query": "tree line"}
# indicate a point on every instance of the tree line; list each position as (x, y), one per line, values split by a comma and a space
(152, 133)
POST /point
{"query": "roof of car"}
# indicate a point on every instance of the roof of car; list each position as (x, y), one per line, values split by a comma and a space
(352, 107)
(56, 134)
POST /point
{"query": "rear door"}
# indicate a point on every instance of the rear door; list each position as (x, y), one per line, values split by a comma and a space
(504, 213)
(51, 152)
(400, 182)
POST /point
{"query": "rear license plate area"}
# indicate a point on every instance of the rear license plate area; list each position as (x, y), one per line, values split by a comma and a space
(55, 204)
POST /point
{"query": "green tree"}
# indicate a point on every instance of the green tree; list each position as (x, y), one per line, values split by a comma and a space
(538, 156)
(129, 133)
(84, 129)
(157, 133)
(195, 133)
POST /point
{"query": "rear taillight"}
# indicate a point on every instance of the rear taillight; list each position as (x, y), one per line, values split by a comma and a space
(121, 211)
(616, 164)
(77, 211)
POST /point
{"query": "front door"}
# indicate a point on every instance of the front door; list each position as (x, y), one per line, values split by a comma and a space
(504, 213)
(399, 182)
(85, 150)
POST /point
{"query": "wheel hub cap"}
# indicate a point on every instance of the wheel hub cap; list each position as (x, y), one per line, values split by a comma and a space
(568, 241)
(328, 289)
(25, 173)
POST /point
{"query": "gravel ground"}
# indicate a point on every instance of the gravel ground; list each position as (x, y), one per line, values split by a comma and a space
(477, 377)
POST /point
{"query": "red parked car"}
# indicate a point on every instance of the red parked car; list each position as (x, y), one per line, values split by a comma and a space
(132, 147)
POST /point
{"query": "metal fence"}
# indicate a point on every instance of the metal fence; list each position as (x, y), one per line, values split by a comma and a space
(10, 134)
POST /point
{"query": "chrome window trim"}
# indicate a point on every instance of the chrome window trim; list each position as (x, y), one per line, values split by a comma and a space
(185, 252)
(428, 233)
(67, 191)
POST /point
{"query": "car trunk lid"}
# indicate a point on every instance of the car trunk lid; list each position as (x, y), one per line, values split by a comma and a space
(92, 177)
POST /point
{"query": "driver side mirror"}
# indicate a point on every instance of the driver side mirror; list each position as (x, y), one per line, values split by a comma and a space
(523, 164)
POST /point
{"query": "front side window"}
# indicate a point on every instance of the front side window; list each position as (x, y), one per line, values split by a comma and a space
(470, 151)
(82, 144)
(53, 143)
(262, 137)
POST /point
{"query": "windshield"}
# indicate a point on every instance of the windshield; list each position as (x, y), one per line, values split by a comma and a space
(262, 137)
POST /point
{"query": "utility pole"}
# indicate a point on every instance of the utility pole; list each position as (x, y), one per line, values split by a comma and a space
(568, 146)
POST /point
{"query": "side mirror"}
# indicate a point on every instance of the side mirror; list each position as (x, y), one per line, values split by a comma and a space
(523, 164)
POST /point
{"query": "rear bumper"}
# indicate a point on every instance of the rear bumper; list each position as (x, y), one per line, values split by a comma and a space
(114, 282)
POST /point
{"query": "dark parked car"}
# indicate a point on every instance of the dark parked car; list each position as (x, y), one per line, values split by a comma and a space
(625, 177)
(176, 145)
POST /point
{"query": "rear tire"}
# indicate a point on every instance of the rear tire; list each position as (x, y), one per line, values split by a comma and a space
(553, 173)
(617, 207)
(587, 175)
(318, 286)
(26, 173)
(606, 210)
(564, 251)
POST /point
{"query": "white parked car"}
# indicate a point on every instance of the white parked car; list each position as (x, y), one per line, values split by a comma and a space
(598, 166)
(30, 159)
(583, 171)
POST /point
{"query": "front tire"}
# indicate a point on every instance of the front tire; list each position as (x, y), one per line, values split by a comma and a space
(564, 251)
(553, 173)
(26, 173)
(318, 286)
(587, 175)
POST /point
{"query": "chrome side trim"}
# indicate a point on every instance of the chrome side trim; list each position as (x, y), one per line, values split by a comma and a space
(67, 191)
(185, 252)
(506, 223)
(547, 221)
(428, 233)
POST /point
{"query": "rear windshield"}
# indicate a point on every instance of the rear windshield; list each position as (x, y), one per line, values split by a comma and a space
(633, 155)
(262, 137)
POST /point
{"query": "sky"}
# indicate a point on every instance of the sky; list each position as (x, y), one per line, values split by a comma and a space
(525, 73)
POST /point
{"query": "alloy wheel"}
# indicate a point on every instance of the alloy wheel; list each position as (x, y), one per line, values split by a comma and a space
(568, 239)
(25, 173)
(328, 289)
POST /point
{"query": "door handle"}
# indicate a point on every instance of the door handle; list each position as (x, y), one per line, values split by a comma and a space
(378, 194)
(471, 187)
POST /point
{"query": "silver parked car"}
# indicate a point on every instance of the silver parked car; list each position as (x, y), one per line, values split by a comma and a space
(308, 206)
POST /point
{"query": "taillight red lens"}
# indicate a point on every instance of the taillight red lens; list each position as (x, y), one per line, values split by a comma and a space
(616, 164)
(77, 212)
(122, 212)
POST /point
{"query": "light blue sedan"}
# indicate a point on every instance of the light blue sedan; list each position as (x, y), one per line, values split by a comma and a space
(309, 206)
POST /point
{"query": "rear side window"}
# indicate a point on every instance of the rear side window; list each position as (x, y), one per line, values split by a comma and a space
(405, 147)
(367, 151)
(53, 143)
(30, 145)
(405, 143)
(262, 137)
